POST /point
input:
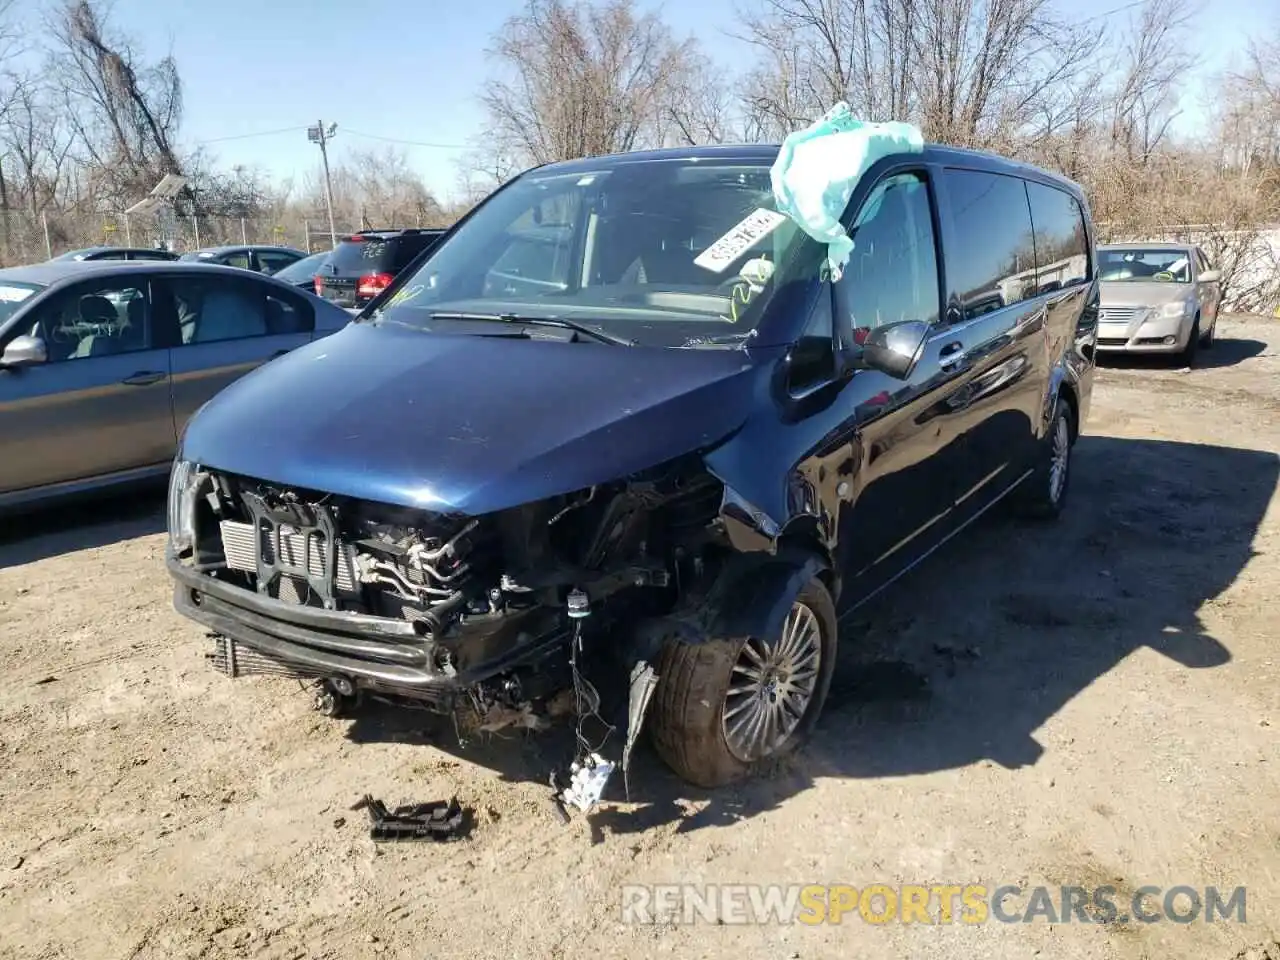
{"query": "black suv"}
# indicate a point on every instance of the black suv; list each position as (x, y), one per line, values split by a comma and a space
(623, 426)
(365, 263)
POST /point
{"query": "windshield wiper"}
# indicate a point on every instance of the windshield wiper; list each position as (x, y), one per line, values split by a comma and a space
(536, 322)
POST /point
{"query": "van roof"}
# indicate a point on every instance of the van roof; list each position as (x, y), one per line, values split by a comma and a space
(767, 152)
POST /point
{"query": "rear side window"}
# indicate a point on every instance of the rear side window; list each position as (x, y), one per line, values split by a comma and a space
(287, 314)
(991, 260)
(211, 310)
(273, 261)
(1062, 250)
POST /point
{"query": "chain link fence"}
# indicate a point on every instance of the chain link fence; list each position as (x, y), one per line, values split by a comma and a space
(1249, 260)
(27, 238)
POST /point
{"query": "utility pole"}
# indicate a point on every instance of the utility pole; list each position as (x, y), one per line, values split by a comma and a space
(321, 135)
(4, 213)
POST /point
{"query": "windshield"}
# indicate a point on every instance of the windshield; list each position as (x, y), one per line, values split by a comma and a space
(197, 255)
(12, 295)
(1160, 266)
(658, 252)
(302, 270)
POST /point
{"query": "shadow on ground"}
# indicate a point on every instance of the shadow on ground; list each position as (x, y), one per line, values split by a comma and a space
(1224, 353)
(967, 656)
(80, 525)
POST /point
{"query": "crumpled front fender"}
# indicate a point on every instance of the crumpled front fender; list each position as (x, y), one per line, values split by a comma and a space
(751, 597)
(755, 602)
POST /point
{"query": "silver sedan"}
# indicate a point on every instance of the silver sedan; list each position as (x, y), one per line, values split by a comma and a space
(1157, 298)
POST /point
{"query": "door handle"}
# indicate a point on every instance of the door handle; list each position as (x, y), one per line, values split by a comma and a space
(952, 354)
(144, 377)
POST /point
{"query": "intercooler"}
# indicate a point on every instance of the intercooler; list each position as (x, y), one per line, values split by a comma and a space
(241, 548)
(236, 660)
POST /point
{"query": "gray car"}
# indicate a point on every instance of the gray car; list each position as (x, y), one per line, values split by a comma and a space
(1157, 298)
(102, 363)
(259, 257)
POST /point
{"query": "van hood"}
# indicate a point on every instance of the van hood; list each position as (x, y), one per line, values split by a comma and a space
(468, 424)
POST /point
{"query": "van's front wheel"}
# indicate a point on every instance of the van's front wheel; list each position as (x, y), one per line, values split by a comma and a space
(724, 706)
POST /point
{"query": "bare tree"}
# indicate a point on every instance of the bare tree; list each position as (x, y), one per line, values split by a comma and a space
(972, 72)
(1250, 115)
(1155, 62)
(581, 79)
(390, 193)
(698, 107)
(125, 112)
(38, 142)
(372, 189)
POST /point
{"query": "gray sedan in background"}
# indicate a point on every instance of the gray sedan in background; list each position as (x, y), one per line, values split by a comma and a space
(261, 258)
(102, 363)
(1157, 298)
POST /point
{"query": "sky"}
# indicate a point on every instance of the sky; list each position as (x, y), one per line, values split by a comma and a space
(409, 73)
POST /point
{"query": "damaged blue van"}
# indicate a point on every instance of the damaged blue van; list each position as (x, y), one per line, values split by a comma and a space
(623, 407)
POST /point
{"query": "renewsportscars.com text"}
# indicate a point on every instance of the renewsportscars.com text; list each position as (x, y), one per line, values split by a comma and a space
(972, 903)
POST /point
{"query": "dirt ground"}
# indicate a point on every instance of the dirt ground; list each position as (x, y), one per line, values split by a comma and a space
(1092, 703)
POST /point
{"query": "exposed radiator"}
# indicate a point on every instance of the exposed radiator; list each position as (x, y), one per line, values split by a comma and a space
(238, 543)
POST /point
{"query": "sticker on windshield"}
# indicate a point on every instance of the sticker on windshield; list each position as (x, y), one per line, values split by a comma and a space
(739, 240)
(14, 294)
(405, 294)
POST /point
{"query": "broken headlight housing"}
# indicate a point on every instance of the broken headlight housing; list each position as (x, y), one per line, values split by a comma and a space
(181, 507)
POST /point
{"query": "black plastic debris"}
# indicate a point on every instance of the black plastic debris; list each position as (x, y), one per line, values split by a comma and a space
(442, 820)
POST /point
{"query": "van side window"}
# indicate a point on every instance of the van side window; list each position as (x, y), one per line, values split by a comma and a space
(1062, 252)
(892, 274)
(991, 261)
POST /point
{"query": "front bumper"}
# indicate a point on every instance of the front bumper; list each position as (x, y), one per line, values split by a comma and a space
(1158, 335)
(372, 652)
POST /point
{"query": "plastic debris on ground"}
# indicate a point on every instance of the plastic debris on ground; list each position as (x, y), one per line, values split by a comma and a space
(587, 781)
(818, 168)
(440, 821)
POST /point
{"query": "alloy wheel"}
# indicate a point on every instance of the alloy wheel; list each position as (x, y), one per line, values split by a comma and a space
(1059, 458)
(771, 686)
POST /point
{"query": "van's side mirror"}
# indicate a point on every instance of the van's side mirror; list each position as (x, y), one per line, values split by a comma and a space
(1210, 276)
(895, 348)
(24, 351)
